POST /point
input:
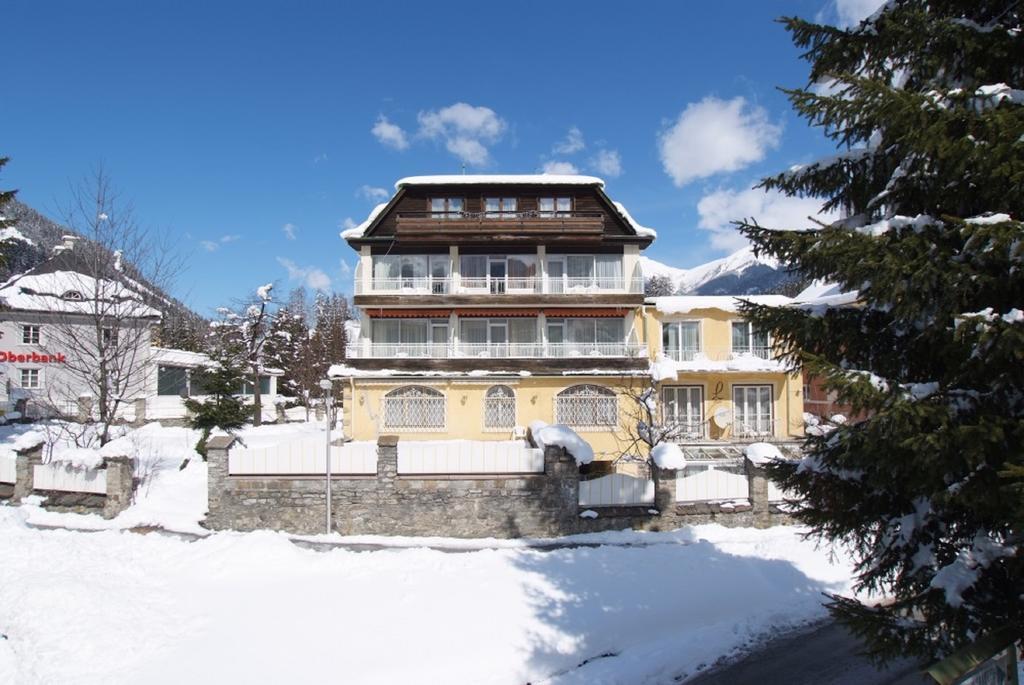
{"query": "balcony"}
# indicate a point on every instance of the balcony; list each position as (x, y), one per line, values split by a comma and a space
(491, 285)
(442, 227)
(476, 351)
(694, 354)
(743, 430)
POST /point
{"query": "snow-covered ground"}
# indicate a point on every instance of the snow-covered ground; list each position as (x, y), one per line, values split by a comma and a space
(114, 606)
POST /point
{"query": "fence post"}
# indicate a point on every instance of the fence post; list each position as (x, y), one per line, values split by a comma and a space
(84, 408)
(561, 469)
(140, 412)
(120, 485)
(387, 459)
(664, 490)
(217, 448)
(25, 462)
(760, 509)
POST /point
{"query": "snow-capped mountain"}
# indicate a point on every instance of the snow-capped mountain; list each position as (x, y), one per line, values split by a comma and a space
(741, 273)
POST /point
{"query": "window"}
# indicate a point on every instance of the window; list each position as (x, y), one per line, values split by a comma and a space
(586, 272)
(499, 273)
(498, 337)
(499, 407)
(746, 339)
(31, 378)
(264, 386)
(683, 411)
(554, 206)
(500, 207)
(413, 408)
(680, 340)
(409, 337)
(109, 336)
(72, 295)
(587, 406)
(30, 335)
(411, 272)
(172, 380)
(446, 207)
(586, 336)
(752, 408)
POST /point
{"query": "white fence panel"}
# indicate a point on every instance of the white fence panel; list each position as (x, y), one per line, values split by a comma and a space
(469, 456)
(777, 494)
(617, 489)
(711, 482)
(303, 458)
(8, 468)
(65, 479)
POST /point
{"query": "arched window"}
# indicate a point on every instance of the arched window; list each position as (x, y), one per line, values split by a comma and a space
(499, 407)
(72, 295)
(414, 408)
(587, 406)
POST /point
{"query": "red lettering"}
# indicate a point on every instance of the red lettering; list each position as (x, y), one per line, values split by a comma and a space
(45, 358)
(36, 358)
(60, 358)
(3, 356)
(21, 358)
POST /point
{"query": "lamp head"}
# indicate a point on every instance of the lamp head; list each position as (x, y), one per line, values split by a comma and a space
(326, 384)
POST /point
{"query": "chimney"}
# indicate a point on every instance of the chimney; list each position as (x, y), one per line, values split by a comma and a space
(69, 241)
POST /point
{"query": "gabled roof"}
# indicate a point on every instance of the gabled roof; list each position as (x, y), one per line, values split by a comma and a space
(377, 212)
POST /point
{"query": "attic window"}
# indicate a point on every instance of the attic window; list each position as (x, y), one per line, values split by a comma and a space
(72, 295)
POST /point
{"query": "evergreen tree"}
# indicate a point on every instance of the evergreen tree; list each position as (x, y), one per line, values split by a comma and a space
(659, 286)
(219, 382)
(6, 196)
(925, 103)
(288, 345)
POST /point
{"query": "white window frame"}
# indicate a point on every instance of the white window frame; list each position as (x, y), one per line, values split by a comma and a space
(750, 337)
(38, 385)
(555, 212)
(515, 408)
(744, 435)
(447, 212)
(702, 427)
(26, 330)
(700, 336)
(503, 211)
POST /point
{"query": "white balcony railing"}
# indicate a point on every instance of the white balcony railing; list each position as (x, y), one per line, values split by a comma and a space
(755, 429)
(505, 285)
(493, 350)
(689, 354)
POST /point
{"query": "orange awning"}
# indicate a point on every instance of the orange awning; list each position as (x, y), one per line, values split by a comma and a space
(408, 313)
(497, 312)
(589, 312)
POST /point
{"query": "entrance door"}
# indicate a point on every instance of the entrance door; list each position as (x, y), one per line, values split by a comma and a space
(497, 270)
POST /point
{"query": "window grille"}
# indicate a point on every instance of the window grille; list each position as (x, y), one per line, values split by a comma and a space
(500, 407)
(414, 408)
(587, 406)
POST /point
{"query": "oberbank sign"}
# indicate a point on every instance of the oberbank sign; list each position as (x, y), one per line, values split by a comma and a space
(32, 357)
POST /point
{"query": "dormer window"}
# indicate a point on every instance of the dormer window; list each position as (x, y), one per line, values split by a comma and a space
(446, 207)
(72, 295)
(554, 206)
(500, 207)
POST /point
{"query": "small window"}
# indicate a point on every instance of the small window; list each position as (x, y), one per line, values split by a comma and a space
(72, 295)
(30, 335)
(110, 336)
(31, 378)
(554, 206)
(446, 207)
(264, 386)
(500, 207)
(172, 380)
(500, 407)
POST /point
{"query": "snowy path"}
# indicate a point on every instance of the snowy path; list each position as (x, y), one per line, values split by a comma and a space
(118, 607)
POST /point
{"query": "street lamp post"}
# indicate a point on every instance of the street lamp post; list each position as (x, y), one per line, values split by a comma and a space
(326, 386)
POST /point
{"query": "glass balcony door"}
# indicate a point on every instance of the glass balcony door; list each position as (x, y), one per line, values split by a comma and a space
(497, 270)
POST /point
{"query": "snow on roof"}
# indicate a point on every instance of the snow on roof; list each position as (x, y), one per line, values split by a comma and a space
(357, 231)
(12, 233)
(640, 230)
(667, 369)
(345, 371)
(71, 292)
(500, 179)
(819, 296)
(172, 357)
(684, 304)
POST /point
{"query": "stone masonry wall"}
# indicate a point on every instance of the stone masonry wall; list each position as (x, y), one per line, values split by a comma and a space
(535, 505)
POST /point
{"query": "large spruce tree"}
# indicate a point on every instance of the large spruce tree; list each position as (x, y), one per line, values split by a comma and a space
(924, 100)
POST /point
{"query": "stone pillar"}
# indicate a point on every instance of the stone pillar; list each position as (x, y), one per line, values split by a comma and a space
(24, 465)
(561, 469)
(664, 491)
(279, 411)
(759, 507)
(120, 485)
(140, 412)
(217, 475)
(387, 460)
(84, 408)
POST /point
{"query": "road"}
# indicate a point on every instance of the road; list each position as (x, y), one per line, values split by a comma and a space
(824, 655)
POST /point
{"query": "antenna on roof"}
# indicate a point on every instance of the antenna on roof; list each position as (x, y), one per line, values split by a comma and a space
(463, 168)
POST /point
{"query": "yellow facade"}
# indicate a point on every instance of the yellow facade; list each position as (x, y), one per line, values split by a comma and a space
(535, 396)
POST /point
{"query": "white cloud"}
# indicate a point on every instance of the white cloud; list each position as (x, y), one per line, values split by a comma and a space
(346, 270)
(373, 193)
(347, 223)
(555, 167)
(322, 157)
(310, 276)
(214, 245)
(853, 11)
(388, 134)
(289, 231)
(466, 130)
(772, 210)
(608, 163)
(713, 136)
(572, 143)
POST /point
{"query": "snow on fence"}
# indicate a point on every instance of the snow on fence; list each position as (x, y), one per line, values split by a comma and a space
(712, 482)
(303, 458)
(469, 456)
(68, 479)
(618, 489)
(8, 468)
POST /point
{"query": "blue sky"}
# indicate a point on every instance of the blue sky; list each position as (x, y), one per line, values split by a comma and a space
(255, 130)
